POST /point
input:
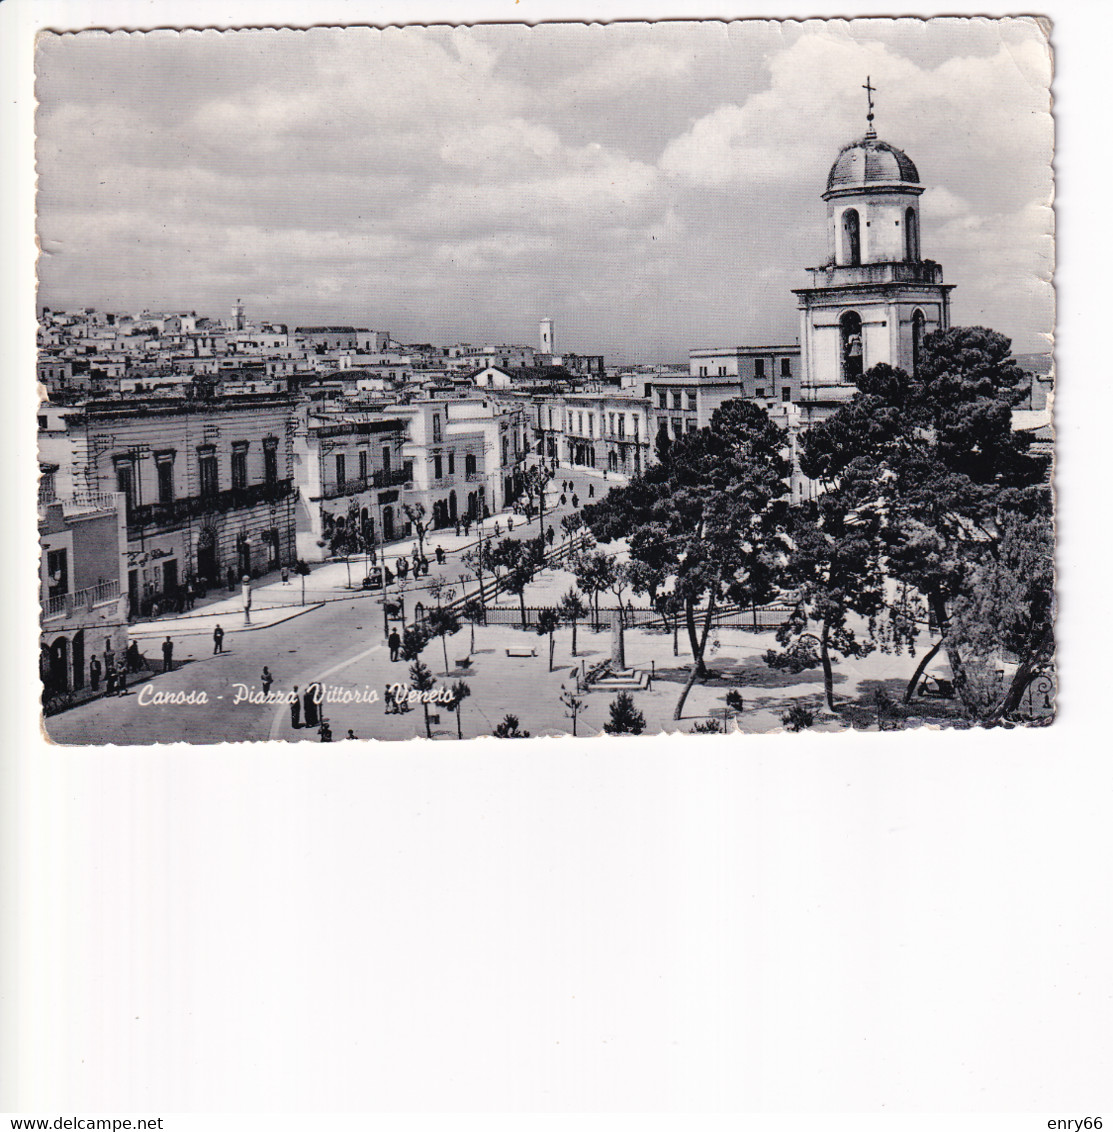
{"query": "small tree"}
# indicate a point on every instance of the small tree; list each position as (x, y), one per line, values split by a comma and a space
(519, 559)
(414, 640)
(302, 570)
(571, 524)
(735, 701)
(460, 692)
(625, 718)
(476, 561)
(798, 717)
(415, 512)
(421, 680)
(708, 727)
(573, 705)
(474, 613)
(547, 622)
(509, 729)
(594, 572)
(442, 622)
(572, 609)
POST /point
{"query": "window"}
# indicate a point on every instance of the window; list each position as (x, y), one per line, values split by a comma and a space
(759, 391)
(692, 401)
(438, 466)
(57, 573)
(341, 470)
(676, 398)
(165, 464)
(239, 465)
(125, 482)
(703, 371)
(504, 449)
(911, 236)
(917, 338)
(759, 367)
(691, 425)
(591, 424)
(786, 367)
(469, 464)
(851, 241)
(677, 427)
(452, 463)
(580, 423)
(610, 419)
(786, 393)
(209, 475)
(722, 371)
(662, 399)
(386, 459)
(621, 425)
(270, 461)
(363, 465)
(436, 428)
(850, 331)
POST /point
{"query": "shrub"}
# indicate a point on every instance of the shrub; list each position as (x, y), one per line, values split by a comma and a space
(798, 718)
(625, 718)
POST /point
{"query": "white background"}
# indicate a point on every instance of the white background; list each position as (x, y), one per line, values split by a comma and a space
(914, 922)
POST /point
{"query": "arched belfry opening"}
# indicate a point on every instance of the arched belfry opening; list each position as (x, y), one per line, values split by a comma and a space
(850, 331)
(918, 321)
(851, 238)
(911, 236)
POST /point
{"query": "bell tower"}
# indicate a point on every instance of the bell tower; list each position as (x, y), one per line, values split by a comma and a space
(876, 297)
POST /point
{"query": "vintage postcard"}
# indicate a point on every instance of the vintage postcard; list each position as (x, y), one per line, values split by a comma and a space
(445, 382)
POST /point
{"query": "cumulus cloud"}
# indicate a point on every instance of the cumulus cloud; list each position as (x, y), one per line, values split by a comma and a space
(654, 187)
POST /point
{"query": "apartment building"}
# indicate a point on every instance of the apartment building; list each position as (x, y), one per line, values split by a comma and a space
(83, 541)
(207, 485)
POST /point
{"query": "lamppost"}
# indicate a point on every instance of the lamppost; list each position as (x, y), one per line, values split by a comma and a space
(246, 599)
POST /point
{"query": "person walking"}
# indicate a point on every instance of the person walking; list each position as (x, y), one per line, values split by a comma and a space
(94, 674)
(285, 575)
(110, 681)
(439, 552)
(295, 709)
(394, 643)
(563, 499)
(310, 705)
(168, 655)
(122, 681)
(591, 491)
(403, 567)
(218, 640)
(457, 528)
(189, 595)
(135, 661)
(575, 501)
(425, 566)
(266, 679)
(351, 734)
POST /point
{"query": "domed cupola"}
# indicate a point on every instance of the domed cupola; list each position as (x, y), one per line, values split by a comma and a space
(870, 163)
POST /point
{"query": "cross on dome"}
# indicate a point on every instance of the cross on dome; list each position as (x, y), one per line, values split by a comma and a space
(870, 91)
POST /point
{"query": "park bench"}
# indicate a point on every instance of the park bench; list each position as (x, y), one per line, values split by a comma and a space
(937, 689)
(521, 653)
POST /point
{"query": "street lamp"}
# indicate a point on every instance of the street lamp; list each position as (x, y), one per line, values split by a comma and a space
(246, 599)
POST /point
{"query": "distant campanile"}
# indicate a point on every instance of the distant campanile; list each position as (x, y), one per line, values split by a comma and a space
(547, 336)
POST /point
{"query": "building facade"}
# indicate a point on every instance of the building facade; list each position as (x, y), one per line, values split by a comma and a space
(208, 486)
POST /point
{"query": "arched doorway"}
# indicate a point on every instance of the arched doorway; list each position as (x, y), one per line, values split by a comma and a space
(851, 238)
(58, 666)
(453, 513)
(207, 564)
(78, 649)
(850, 331)
(243, 556)
(388, 524)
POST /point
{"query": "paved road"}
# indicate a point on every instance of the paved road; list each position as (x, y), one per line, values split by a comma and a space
(313, 646)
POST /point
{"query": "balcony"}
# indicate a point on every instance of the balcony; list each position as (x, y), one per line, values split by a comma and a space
(475, 477)
(197, 506)
(377, 479)
(831, 275)
(66, 605)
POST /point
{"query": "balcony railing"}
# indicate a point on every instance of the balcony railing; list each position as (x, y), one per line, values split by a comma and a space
(475, 477)
(197, 506)
(920, 271)
(377, 479)
(69, 604)
(82, 504)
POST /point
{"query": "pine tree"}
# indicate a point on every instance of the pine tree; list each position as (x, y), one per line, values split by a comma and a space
(625, 718)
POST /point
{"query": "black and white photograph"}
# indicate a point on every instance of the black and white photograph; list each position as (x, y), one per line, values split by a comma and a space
(616, 379)
(672, 389)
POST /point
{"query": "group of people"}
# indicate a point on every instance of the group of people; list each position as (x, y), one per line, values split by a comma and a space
(115, 673)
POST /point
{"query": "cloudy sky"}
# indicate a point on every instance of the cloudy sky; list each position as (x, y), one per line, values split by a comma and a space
(652, 187)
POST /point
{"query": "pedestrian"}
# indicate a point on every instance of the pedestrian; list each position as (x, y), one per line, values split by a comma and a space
(231, 580)
(563, 499)
(325, 732)
(497, 530)
(285, 576)
(218, 640)
(509, 523)
(575, 501)
(403, 567)
(168, 655)
(135, 661)
(457, 528)
(425, 565)
(394, 642)
(266, 679)
(439, 552)
(121, 681)
(295, 708)
(351, 734)
(467, 527)
(550, 534)
(94, 674)
(310, 706)
(189, 595)
(591, 491)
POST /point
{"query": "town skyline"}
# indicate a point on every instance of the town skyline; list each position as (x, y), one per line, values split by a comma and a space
(660, 197)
